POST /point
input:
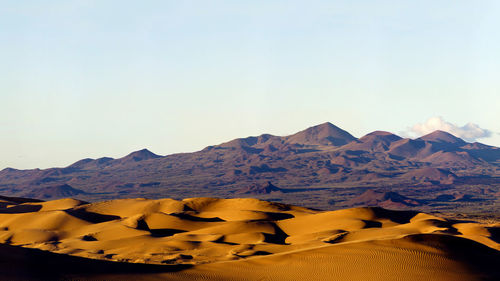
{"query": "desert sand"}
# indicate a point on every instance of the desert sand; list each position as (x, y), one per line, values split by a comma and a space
(237, 239)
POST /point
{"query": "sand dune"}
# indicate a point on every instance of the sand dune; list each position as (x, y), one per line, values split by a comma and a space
(239, 239)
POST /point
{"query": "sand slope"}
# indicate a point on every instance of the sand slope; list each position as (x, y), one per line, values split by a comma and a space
(239, 239)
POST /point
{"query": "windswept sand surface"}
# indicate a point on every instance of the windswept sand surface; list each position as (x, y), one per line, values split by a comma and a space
(237, 239)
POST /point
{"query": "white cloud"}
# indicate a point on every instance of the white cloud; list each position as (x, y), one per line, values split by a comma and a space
(469, 132)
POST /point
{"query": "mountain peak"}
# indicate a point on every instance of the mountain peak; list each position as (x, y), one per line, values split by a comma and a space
(374, 141)
(260, 189)
(384, 199)
(325, 126)
(140, 155)
(54, 192)
(322, 134)
(442, 137)
(380, 135)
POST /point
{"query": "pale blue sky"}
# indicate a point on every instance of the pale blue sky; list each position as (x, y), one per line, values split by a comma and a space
(103, 78)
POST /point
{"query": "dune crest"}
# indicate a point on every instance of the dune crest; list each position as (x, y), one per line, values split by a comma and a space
(207, 233)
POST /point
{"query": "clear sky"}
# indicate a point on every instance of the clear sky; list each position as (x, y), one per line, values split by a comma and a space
(104, 78)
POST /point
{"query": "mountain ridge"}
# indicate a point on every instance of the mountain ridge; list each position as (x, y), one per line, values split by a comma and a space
(324, 160)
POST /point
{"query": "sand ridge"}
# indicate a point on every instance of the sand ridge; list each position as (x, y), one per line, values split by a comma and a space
(253, 238)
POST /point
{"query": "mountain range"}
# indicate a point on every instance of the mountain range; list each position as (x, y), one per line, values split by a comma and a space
(322, 166)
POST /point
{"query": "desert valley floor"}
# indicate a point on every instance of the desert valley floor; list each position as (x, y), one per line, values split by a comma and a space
(237, 239)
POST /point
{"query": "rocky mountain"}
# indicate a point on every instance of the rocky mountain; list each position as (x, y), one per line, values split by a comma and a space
(322, 166)
(390, 199)
(54, 192)
(260, 189)
(324, 134)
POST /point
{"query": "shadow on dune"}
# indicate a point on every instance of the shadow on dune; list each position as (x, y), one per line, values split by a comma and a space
(20, 200)
(17, 263)
(275, 216)
(189, 217)
(495, 233)
(395, 216)
(21, 209)
(478, 257)
(90, 216)
(279, 236)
